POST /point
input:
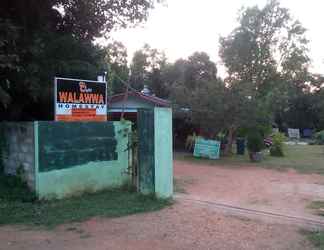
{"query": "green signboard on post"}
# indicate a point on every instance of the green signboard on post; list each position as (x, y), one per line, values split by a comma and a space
(207, 149)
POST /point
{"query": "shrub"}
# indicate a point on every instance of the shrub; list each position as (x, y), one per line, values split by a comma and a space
(277, 147)
(255, 142)
(319, 137)
(13, 188)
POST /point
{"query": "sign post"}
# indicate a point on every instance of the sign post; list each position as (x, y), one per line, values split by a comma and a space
(80, 100)
(207, 149)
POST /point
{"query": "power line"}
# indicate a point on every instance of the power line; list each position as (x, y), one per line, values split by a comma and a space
(126, 84)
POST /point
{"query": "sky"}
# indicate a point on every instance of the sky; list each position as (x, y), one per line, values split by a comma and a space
(185, 26)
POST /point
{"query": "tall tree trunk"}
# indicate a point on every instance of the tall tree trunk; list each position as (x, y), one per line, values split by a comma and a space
(230, 140)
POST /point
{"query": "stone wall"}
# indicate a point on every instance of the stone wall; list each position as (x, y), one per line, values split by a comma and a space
(19, 150)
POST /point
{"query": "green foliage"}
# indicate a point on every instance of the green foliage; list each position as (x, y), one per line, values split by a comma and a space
(3, 146)
(317, 206)
(277, 148)
(149, 68)
(199, 69)
(268, 51)
(139, 73)
(255, 142)
(319, 137)
(249, 52)
(118, 71)
(241, 132)
(316, 238)
(8, 57)
(14, 188)
(55, 38)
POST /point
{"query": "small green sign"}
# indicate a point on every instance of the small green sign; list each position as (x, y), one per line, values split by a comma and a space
(207, 149)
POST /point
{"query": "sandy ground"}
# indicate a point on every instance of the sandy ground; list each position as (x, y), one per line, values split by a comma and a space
(184, 226)
(284, 192)
(189, 225)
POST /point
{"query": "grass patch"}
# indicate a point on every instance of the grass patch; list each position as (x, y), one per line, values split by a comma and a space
(13, 189)
(303, 158)
(14, 209)
(180, 184)
(317, 207)
(315, 237)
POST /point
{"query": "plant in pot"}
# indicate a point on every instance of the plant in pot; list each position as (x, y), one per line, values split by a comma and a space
(255, 146)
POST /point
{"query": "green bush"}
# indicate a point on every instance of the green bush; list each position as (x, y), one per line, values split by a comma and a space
(2, 149)
(255, 142)
(13, 188)
(319, 138)
(277, 147)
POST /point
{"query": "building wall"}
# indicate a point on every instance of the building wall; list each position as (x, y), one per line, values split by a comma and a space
(163, 152)
(18, 150)
(80, 157)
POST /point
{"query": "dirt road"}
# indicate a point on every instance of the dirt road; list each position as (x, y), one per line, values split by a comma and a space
(284, 192)
(184, 226)
(190, 225)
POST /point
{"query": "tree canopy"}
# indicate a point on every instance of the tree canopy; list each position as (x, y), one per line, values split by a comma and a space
(43, 39)
(266, 58)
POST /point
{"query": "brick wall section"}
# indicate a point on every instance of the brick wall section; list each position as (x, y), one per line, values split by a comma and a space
(19, 150)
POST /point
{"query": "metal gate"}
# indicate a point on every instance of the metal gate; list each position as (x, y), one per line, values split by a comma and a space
(145, 132)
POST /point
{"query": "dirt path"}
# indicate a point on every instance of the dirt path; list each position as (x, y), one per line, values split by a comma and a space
(190, 225)
(184, 226)
(268, 190)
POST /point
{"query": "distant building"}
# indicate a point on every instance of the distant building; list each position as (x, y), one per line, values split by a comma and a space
(130, 102)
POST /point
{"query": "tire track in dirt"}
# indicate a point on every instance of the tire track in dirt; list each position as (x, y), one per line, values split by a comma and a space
(307, 223)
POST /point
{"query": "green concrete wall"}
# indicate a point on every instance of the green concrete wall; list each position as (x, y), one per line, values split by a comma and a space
(77, 157)
(163, 152)
(67, 144)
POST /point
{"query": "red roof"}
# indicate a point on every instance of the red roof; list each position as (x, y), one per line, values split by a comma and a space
(148, 98)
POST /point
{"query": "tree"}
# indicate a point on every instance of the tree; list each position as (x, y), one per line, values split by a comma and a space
(9, 58)
(118, 72)
(139, 72)
(199, 69)
(215, 108)
(268, 53)
(54, 38)
(147, 68)
(266, 42)
(84, 19)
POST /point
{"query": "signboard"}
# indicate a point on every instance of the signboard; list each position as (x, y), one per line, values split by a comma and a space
(207, 148)
(80, 100)
(293, 133)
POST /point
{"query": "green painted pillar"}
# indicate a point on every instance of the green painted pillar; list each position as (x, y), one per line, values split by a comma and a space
(163, 157)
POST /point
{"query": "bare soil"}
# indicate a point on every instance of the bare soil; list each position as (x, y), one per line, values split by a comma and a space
(182, 226)
(188, 225)
(284, 192)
